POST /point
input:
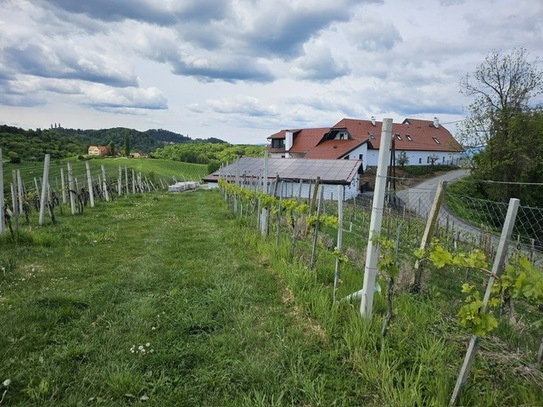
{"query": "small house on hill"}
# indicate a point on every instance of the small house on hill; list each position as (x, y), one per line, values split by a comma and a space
(98, 150)
(297, 175)
(421, 142)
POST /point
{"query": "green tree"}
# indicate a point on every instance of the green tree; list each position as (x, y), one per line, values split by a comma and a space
(126, 143)
(402, 159)
(111, 148)
(501, 117)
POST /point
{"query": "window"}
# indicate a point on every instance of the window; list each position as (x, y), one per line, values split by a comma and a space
(420, 160)
(428, 160)
(436, 140)
(408, 137)
(399, 137)
(360, 156)
(278, 143)
(372, 136)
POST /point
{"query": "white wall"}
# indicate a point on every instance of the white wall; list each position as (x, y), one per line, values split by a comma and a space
(418, 158)
(290, 189)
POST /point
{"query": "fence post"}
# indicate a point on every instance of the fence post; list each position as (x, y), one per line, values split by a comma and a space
(341, 191)
(370, 271)
(89, 183)
(429, 231)
(2, 213)
(71, 189)
(44, 185)
(496, 270)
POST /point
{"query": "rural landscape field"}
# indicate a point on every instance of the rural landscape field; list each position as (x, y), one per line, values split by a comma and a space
(173, 299)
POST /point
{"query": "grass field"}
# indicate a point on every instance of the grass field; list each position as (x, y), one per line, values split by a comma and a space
(168, 300)
(153, 168)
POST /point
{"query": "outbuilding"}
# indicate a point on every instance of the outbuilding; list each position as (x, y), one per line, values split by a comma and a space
(297, 176)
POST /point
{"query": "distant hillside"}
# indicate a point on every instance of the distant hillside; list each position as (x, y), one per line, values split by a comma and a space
(61, 142)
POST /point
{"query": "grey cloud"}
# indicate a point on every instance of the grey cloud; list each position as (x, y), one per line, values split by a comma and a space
(145, 10)
(281, 29)
(321, 65)
(101, 97)
(237, 69)
(63, 63)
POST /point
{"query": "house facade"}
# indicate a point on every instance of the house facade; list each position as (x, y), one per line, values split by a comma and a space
(419, 142)
(98, 150)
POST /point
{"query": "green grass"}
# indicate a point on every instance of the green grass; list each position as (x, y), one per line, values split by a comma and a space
(230, 319)
(153, 168)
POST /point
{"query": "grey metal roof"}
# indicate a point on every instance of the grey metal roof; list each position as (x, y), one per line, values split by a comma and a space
(329, 171)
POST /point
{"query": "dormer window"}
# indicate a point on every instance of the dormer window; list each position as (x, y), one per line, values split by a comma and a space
(436, 140)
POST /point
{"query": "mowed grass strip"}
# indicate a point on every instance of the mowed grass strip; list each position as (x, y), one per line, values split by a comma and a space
(156, 299)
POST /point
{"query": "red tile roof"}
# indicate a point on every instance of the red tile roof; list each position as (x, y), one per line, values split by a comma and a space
(421, 132)
(333, 149)
(306, 139)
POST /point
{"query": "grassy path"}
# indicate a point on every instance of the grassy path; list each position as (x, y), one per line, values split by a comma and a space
(155, 300)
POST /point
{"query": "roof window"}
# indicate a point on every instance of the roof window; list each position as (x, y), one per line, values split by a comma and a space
(372, 136)
(399, 137)
(407, 136)
(436, 140)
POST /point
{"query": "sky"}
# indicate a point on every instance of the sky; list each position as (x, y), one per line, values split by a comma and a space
(241, 70)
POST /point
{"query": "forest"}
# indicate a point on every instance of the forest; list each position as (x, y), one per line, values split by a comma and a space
(21, 144)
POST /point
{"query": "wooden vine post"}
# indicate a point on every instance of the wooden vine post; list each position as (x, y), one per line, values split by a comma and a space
(104, 183)
(44, 185)
(341, 193)
(429, 232)
(120, 182)
(89, 183)
(63, 186)
(497, 268)
(316, 234)
(71, 189)
(2, 213)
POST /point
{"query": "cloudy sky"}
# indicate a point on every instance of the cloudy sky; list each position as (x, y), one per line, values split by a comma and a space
(240, 70)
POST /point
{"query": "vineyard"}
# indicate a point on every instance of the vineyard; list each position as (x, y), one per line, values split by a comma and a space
(243, 298)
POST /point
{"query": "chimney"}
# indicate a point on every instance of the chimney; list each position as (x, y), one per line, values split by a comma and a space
(373, 121)
(436, 123)
(289, 138)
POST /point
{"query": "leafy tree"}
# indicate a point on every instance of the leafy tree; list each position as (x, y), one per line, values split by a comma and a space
(126, 143)
(111, 148)
(402, 159)
(503, 119)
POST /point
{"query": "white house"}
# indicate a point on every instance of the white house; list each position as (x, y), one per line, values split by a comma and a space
(422, 142)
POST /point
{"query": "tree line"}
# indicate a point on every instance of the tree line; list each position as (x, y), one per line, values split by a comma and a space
(20, 144)
(212, 154)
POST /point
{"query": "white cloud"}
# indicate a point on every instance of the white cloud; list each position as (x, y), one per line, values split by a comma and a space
(238, 67)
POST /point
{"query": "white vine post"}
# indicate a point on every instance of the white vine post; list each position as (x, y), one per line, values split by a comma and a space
(120, 182)
(126, 179)
(71, 190)
(89, 182)
(21, 189)
(63, 184)
(340, 195)
(372, 252)
(133, 181)
(2, 214)
(44, 185)
(497, 268)
(104, 183)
